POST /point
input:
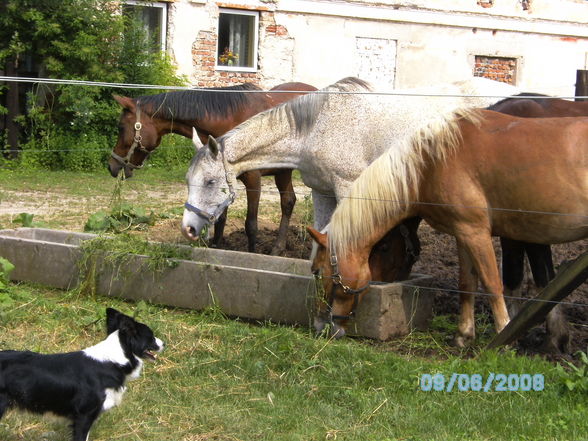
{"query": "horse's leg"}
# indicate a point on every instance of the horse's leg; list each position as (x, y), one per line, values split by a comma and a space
(219, 228)
(252, 182)
(287, 200)
(513, 265)
(541, 262)
(468, 284)
(478, 245)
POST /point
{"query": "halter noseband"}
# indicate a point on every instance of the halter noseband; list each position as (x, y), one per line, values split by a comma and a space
(126, 161)
(347, 290)
(211, 218)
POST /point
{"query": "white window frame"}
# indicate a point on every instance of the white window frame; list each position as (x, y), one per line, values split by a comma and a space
(159, 5)
(255, 15)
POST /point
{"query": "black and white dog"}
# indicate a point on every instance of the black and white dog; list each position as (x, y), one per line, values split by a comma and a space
(78, 385)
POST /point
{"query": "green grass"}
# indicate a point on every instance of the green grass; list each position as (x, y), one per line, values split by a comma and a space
(222, 379)
(85, 184)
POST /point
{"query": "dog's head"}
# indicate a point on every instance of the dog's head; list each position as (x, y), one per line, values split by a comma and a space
(136, 338)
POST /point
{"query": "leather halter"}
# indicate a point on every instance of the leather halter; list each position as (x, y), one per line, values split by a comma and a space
(347, 290)
(126, 161)
(211, 218)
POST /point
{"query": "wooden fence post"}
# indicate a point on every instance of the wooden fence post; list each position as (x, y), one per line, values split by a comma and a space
(581, 84)
(569, 277)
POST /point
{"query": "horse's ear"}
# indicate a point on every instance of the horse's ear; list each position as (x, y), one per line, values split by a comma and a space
(320, 238)
(212, 145)
(125, 102)
(196, 140)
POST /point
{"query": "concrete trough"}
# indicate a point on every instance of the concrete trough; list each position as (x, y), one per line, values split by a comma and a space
(251, 286)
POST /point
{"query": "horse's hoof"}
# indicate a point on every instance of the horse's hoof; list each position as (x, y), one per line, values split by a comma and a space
(462, 341)
(556, 345)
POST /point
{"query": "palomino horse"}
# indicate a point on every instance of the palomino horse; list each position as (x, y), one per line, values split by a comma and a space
(532, 105)
(146, 119)
(331, 136)
(472, 176)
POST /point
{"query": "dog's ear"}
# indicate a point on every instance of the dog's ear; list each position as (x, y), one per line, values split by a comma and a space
(114, 320)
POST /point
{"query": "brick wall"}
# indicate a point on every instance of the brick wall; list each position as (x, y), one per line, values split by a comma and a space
(496, 68)
(204, 61)
(486, 3)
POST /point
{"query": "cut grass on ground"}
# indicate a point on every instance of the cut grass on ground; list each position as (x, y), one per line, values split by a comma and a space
(222, 379)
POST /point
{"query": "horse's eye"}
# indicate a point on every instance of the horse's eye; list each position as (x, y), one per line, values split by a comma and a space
(211, 183)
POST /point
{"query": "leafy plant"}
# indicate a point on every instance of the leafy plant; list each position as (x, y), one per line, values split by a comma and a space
(575, 377)
(6, 268)
(24, 219)
(123, 218)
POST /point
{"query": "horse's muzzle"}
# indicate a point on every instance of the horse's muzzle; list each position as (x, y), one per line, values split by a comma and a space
(334, 330)
(192, 226)
(115, 169)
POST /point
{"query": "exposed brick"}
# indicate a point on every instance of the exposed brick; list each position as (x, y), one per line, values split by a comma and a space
(496, 68)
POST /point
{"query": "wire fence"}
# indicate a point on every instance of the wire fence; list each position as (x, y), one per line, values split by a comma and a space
(54, 81)
(308, 194)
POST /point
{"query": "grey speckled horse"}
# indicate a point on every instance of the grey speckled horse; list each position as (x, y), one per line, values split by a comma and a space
(330, 135)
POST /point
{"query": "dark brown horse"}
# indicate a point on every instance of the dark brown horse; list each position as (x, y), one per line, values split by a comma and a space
(532, 105)
(144, 121)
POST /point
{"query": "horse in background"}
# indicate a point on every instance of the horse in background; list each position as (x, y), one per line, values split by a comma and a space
(471, 175)
(212, 112)
(534, 105)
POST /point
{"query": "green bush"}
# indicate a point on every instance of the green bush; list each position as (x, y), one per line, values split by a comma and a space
(73, 127)
(174, 150)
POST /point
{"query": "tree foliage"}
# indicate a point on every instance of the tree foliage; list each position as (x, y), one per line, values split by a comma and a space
(78, 40)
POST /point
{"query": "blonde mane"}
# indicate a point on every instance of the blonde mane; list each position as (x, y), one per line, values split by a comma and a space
(384, 188)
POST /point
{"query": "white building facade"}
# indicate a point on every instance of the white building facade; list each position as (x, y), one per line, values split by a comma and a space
(538, 45)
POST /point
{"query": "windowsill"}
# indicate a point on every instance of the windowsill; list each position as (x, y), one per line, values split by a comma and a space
(236, 69)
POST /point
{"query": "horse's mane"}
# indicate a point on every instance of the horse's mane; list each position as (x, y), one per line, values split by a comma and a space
(382, 190)
(527, 95)
(198, 104)
(303, 111)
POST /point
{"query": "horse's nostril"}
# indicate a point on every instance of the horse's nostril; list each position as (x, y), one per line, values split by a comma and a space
(192, 232)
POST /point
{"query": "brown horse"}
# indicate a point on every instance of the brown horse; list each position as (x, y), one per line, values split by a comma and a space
(472, 176)
(146, 119)
(533, 105)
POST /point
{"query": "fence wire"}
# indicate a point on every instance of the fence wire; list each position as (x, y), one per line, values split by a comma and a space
(310, 278)
(320, 91)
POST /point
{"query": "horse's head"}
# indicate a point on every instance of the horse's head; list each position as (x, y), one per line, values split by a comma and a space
(210, 188)
(137, 138)
(341, 283)
(343, 280)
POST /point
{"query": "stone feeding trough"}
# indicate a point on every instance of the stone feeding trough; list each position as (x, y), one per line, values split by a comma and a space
(251, 286)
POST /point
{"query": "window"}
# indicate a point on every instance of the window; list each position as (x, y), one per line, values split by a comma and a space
(153, 16)
(237, 40)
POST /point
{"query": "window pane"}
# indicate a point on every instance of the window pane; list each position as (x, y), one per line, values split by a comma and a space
(236, 39)
(151, 18)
